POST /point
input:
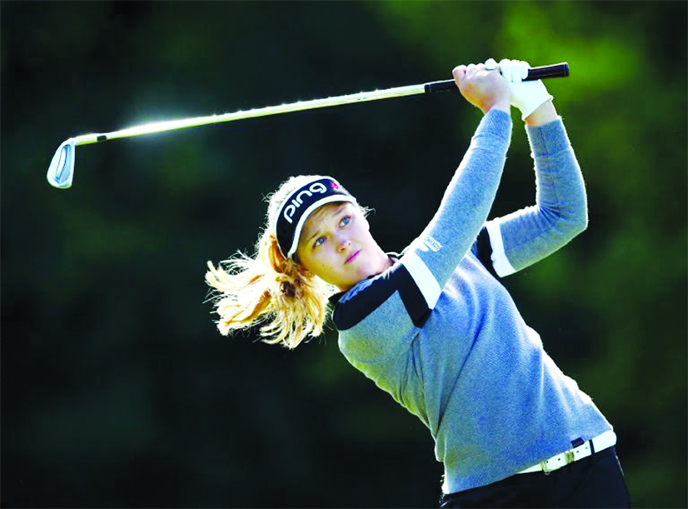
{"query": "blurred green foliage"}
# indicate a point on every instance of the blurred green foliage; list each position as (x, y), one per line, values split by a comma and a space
(117, 390)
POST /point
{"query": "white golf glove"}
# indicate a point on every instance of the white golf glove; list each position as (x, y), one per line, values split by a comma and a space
(527, 96)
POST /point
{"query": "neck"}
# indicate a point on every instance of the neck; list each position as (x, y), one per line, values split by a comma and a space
(385, 262)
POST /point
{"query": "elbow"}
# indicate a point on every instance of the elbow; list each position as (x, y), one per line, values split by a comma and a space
(580, 223)
(582, 215)
(568, 223)
(581, 212)
(574, 214)
(575, 223)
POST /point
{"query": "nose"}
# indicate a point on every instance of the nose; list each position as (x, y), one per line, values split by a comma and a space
(342, 244)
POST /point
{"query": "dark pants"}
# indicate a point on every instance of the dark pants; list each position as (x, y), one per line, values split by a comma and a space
(595, 481)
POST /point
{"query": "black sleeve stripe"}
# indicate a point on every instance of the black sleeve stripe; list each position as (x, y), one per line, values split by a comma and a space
(413, 299)
(485, 251)
(352, 311)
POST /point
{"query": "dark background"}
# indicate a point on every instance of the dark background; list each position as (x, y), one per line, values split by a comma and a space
(117, 391)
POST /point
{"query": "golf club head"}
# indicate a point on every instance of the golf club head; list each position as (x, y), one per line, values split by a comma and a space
(61, 170)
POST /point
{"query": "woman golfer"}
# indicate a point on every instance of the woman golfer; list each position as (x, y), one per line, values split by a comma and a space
(433, 326)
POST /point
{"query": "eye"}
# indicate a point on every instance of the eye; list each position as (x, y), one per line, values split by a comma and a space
(319, 242)
(345, 221)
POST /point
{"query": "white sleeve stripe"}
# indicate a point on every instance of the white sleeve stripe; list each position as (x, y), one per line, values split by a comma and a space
(426, 282)
(499, 260)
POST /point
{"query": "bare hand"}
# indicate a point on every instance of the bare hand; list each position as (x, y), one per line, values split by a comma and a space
(482, 88)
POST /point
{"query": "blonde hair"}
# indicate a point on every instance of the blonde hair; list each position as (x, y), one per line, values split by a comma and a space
(270, 288)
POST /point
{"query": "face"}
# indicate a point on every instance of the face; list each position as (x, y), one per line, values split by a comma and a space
(336, 245)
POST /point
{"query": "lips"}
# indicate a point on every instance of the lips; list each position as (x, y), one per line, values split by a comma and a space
(352, 256)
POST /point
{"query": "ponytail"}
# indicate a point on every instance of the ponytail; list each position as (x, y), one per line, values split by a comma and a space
(269, 289)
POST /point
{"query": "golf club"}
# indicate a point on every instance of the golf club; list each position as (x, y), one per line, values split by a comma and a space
(61, 170)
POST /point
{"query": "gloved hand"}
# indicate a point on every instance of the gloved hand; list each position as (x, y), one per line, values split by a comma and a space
(527, 96)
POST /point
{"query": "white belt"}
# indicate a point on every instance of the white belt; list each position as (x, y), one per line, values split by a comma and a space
(597, 444)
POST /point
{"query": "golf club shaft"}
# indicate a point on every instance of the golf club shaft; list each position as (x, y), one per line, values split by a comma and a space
(158, 127)
(549, 71)
(61, 169)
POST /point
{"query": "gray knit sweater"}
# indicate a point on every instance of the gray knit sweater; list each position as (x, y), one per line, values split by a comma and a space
(440, 334)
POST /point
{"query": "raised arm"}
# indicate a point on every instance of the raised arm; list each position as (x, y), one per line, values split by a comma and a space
(383, 312)
(469, 196)
(560, 212)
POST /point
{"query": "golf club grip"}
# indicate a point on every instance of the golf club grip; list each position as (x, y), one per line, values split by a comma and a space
(534, 73)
